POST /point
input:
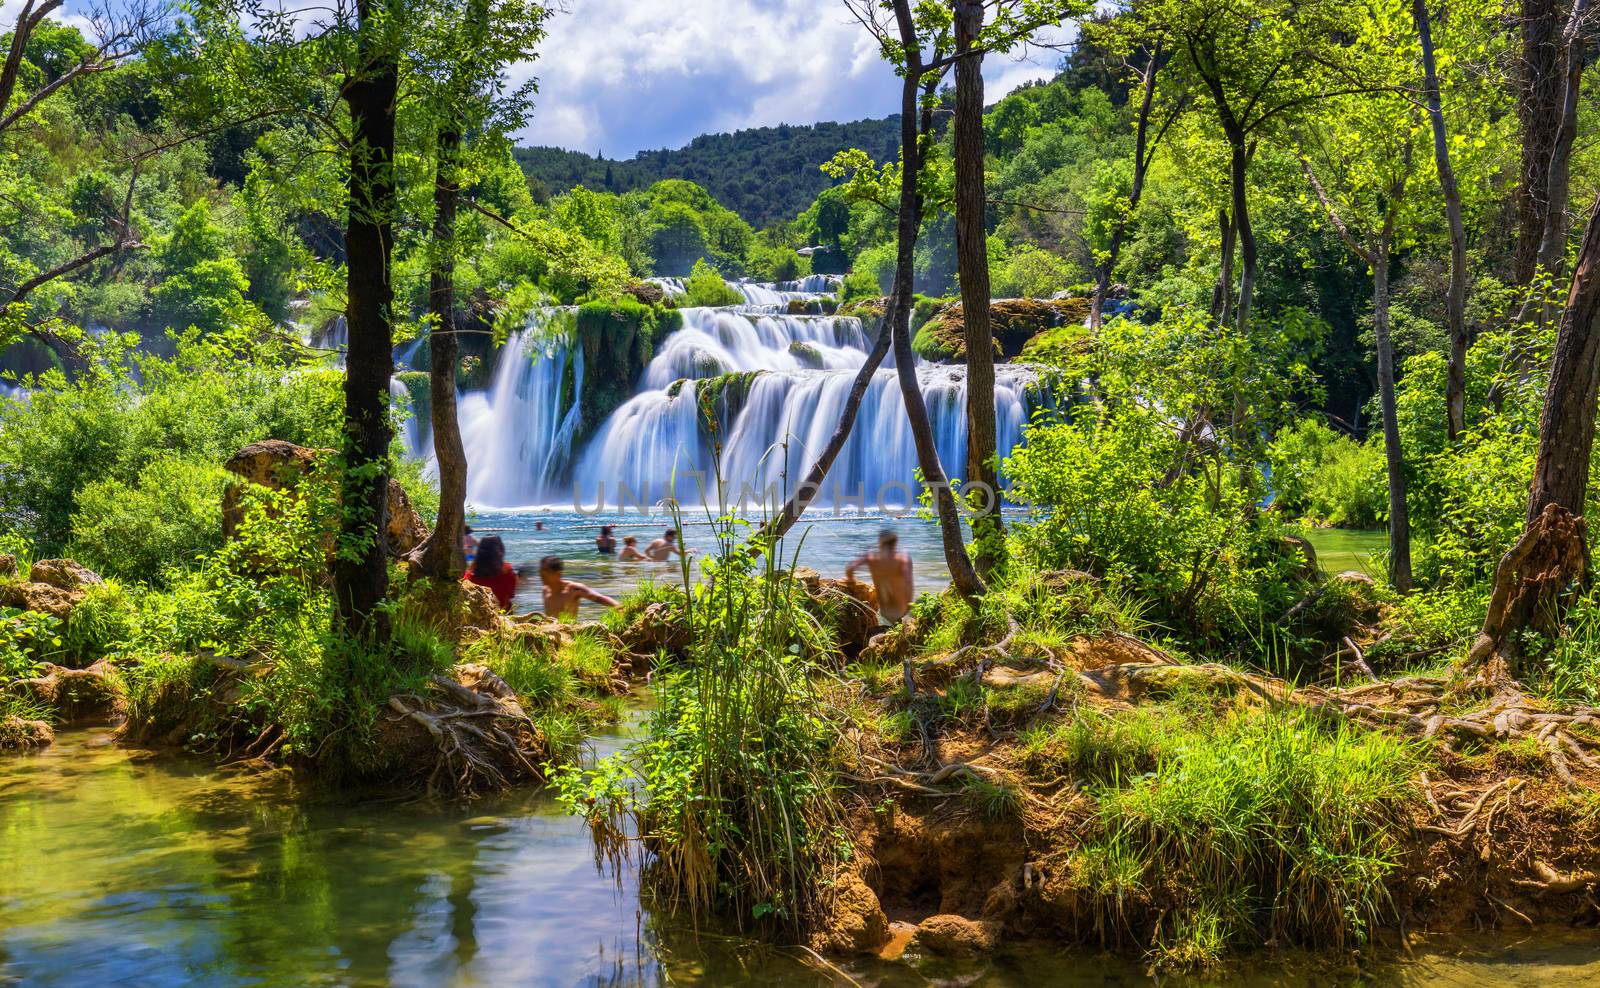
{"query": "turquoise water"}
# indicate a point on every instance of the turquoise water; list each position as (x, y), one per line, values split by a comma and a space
(822, 540)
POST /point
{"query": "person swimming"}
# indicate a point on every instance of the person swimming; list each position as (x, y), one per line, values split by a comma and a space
(605, 543)
(562, 596)
(490, 569)
(665, 547)
(469, 543)
(630, 550)
(891, 576)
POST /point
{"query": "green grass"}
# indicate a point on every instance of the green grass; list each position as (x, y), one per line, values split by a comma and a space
(1255, 825)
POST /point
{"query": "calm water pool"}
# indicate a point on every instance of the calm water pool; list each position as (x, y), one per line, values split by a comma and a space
(821, 540)
(1340, 549)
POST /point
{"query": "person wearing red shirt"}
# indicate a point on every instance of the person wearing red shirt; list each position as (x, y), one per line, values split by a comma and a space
(490, 569)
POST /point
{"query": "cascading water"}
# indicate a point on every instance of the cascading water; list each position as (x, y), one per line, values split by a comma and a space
(518, 434)
(778, 384)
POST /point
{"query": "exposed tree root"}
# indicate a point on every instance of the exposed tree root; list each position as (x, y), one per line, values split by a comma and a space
(482, 737)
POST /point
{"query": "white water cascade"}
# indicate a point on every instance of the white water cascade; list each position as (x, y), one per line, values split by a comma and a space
(778, 382)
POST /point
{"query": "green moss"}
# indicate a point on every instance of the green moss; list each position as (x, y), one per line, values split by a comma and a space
(619, 339)
(724, 395)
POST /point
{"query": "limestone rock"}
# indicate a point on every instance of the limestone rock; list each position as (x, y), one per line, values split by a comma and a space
(647, 292)
(855, 922)
(64, 574)
(74, 693)
(656, 629)
(279, 465)
(17, 733)
(949, 935)
(41, 597)
(8, 564)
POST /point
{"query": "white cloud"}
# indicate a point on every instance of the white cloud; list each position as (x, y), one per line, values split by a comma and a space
(621, 76)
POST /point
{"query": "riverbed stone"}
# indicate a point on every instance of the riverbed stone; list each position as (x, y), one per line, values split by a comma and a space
(855, 922)
(16, 733)
(949, 935)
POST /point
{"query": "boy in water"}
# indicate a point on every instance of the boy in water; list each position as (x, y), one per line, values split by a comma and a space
(469, 543)
(891, 576)
(665, 547)
(561, 596)
(630, 550)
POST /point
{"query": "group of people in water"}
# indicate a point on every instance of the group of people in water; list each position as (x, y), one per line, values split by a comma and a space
(487, 567)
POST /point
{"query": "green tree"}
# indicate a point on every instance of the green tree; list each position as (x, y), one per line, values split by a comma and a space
(202, 284)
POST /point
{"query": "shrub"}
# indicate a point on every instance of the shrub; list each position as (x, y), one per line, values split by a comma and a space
(168, 517)
(1328, 477)
(1267, 825)
(705, 286)
(1103, 501)
(735, 774)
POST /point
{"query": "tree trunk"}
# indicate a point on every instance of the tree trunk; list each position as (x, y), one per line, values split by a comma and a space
(360, 572)
(1243, 437)
(808, 489)
(1552, 557)
(1558, 171)
(962, 574)
(1455, 388)
(1539, 92)
(1222, 292)
(972, 257)
(1142, 153)
(441, 555)
(1399, 522)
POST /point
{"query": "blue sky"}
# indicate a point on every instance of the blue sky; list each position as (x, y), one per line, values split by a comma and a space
(620, 76)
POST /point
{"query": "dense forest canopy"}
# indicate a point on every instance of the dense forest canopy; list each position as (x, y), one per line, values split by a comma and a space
(765, 174)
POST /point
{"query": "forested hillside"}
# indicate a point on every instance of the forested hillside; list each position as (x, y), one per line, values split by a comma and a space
(764, 174)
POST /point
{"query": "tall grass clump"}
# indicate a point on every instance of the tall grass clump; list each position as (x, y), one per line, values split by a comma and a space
(1264, 826)
(729, 795)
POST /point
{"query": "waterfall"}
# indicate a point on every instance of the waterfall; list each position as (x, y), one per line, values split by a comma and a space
(518, 434)
(778, 384)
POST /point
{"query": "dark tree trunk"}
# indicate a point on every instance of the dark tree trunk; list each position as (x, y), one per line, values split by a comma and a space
(1399, 520)
(1558, 170)
(441, 555)
(962, 574)
(1539, 91)
(1455, 389)
(1552, 556)
(360, 572)
(1222, 292)
(972, 257)
(1143, 152)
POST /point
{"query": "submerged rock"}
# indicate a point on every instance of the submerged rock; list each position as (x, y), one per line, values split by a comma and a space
(949, 935)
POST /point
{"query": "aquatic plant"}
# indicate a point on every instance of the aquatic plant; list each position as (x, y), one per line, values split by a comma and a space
(734, 804)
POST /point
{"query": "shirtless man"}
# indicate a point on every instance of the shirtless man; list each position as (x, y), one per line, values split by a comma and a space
(891, 576)
(665, 547)
(561, 597)
(630, 550)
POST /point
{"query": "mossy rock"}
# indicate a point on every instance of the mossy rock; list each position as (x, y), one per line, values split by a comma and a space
(1017, 321)
(419, 387)
(807, 355)
(619, 339)
(1063, 346)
